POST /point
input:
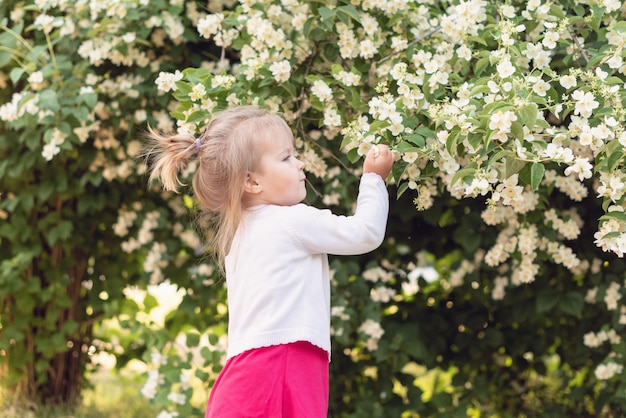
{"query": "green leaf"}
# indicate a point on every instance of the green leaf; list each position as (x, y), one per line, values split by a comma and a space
(612, 234)
(614, 158)
(512, 166)
(401, 189)
(60, 231)
(325, 13)
(350, 12)
(5, 58)
(416, 348)
(477, 39)
(517, 130)
(620, 216)
(480, 65)
(353, 155)
(25, 304)
(619, 27)
(206, 353)
(572, 303)
(90, 99)
(528, 115)
(493, 337)
(452, 140)
(69, 327)
(397, 170)
(537, 171)
(45, 190)
(193, 339)
(406, 147)
(462, 174)
(416, 139)
(48, 100)
(546, 300)
(197, 116)
(150, 302)
(16, 74)
(597, 16)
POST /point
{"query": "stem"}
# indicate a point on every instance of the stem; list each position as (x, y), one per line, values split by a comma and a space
(16, 53)
(413, 42)
(17, 36)
(578, 46)
(51, 50)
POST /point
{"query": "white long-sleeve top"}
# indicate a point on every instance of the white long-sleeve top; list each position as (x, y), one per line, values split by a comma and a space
(277, 272)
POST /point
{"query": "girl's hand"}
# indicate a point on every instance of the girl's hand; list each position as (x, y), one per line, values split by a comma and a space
(378, 160)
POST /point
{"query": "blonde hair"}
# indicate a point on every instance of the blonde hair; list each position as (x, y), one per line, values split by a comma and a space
(226, 151)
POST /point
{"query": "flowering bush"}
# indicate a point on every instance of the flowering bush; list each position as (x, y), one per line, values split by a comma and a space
(77, 224)
(498, 289)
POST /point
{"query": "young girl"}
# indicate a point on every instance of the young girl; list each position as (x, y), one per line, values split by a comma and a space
(274, 252)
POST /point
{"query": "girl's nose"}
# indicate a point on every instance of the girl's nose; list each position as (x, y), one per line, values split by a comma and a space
(300, 164)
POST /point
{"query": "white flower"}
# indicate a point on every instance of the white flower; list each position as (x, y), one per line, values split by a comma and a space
(601, 74)
(505, 68)
(372, 328)
(501, 121)
(410, 157)
(382, 294)
(210, 25)
(198, 91)
(582, 166)
(508, 11)
(612, 296)
(223, 81)
(585, 103)
(611, 186)
(348, 78)
(367, 49)
(9, 113)
(567, 81)
(477, 186)
(46, 22)
(177, 398)
(464, 52)
(558, 153)
(167, 81)
(157, 358)
(35, 77)
(281, 71)
(427, 273)
(591, 340)
(149, 390)
(50, 150)
(607, 371)
(550, 39)
(166, 414)
(332, 117)
(541, 87)
(364, 148)
(322, 91)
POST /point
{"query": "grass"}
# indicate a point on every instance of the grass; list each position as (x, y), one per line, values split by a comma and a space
(111, 395)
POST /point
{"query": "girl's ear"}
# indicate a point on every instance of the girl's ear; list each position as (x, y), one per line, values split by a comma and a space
(251, 184)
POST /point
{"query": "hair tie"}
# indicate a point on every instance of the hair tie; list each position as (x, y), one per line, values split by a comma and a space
(197, 144)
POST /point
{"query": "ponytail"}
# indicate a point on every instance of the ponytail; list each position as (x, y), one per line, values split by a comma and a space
(167, 156)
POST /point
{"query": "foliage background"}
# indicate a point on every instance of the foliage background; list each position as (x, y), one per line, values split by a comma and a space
(498, 289)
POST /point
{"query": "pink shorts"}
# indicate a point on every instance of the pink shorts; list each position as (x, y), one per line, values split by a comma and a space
(281, 381)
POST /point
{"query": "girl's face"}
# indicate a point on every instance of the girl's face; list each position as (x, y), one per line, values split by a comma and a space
(279, 176)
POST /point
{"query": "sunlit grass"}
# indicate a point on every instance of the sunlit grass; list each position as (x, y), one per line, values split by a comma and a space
(110, 395)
